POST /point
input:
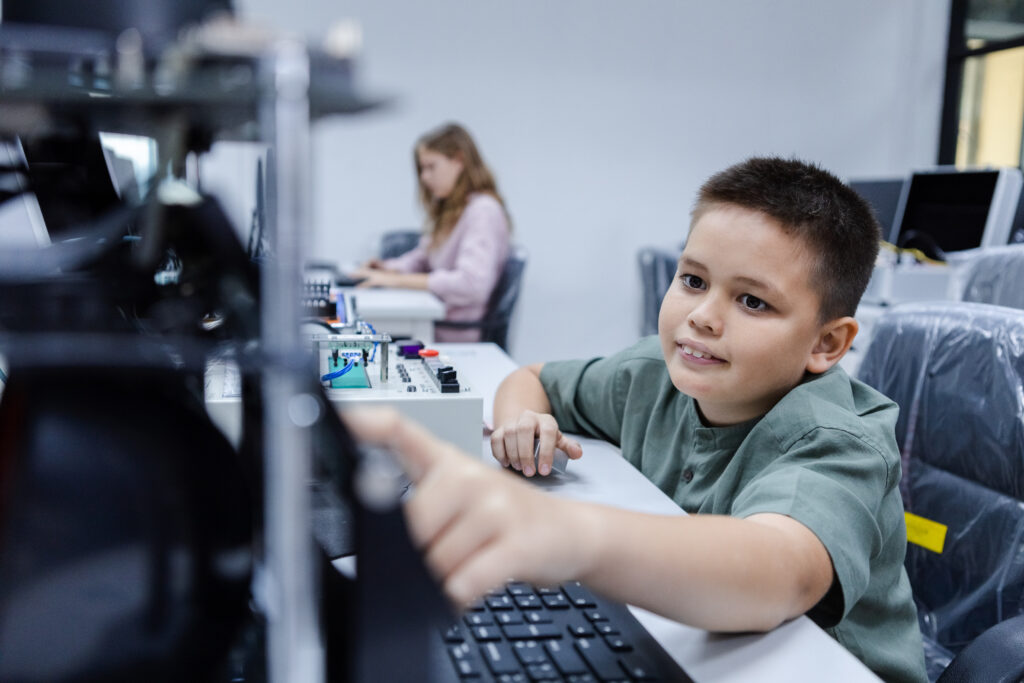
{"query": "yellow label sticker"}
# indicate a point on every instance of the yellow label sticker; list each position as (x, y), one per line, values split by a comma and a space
(925, 532)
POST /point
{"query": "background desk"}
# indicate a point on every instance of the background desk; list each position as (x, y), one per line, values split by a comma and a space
(796, 651)
(399, 312)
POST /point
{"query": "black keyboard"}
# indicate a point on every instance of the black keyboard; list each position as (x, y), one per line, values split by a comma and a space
(525, 633)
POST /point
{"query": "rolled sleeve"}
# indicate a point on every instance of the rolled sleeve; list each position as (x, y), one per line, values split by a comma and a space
(413, 261)
(831, 482)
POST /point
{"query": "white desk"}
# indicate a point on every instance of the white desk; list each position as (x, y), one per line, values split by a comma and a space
(399, 312)
(796, 651)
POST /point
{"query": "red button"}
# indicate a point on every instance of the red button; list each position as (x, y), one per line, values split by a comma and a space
(428, 353)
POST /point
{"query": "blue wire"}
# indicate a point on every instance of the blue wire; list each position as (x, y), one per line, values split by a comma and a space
(338, 373)
(375, 344)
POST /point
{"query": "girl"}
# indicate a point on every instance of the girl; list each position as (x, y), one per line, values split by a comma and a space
(466, 239)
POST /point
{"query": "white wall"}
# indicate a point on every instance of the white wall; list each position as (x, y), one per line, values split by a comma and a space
(601, 118)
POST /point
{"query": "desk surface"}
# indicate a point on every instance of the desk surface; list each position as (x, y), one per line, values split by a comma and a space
(796, 651)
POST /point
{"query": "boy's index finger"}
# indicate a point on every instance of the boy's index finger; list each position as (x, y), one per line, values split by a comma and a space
(416, 448)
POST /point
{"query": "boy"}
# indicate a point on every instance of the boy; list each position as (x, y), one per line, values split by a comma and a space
(737, 411)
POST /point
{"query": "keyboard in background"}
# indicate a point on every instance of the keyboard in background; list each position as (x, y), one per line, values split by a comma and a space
(524, 633)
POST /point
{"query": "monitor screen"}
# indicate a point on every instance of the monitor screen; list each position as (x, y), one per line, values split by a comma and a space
(883, 196)
(21, 221)
(949, 210)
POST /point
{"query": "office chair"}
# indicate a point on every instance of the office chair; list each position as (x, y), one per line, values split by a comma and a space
(995, 275)
(657, 268)
(396, 242)
(495, 323)
(956, 369)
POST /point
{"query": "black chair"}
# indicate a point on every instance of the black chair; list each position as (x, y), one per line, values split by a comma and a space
(495, 323)
(956, 369)
(657, 268)
(396, 242)
(996, 656)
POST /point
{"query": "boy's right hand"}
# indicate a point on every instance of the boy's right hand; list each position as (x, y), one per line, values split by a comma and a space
(514, 443)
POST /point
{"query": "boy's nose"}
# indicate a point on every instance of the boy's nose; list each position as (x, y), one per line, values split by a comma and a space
(705, 317)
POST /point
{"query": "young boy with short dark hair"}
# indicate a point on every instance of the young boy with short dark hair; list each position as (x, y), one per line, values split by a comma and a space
(739, 412)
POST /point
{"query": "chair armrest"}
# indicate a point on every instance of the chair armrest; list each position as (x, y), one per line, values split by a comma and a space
(996, 656)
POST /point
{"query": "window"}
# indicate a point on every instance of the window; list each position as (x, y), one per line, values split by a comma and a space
(983, 109)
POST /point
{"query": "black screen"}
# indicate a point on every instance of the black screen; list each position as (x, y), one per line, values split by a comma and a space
(947, 209)
(71, 180)
(883, 195)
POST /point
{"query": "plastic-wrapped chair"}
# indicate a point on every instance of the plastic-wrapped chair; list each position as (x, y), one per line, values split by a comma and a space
(396, 242)
(995, 275)
(956, 369)
(495, 323)
(657, 268)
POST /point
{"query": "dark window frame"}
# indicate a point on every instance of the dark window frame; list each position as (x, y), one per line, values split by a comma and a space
(957, 54)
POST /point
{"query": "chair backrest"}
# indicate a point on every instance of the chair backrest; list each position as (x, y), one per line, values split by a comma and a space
(657, 268)
(501, 304)
(396, 242)
(503, 299)
(995, 275)
(956, 370)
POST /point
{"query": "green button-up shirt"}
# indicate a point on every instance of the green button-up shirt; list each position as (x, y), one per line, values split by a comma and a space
(825, 455)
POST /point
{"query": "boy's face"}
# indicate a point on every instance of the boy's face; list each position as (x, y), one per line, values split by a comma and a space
(743, 301)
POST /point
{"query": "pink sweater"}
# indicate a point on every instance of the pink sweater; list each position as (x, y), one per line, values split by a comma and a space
(465, 268)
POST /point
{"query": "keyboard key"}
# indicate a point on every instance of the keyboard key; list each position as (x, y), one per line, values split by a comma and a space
(578, 595)
(542, 672)
(453, 634)
(606, 629)
(504, 618)
(599, 658)
(499, 602)
(556, 601)
(580, 678)
(594, 615)
(565, 658)
(581, 630)
(478, 619)
(517, 677)
(499, 658)
(484, 633)
(528, 631)
(638, 668)
(528, 601)
(530, 652)
(466, 663)
(537, 617)
(519, 588)
(618, 644)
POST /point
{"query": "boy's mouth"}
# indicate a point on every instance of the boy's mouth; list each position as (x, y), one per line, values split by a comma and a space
(697, 352)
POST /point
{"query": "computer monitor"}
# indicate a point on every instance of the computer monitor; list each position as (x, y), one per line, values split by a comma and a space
(948, 210)
(21, 221)
(72, 179)
(883, 195)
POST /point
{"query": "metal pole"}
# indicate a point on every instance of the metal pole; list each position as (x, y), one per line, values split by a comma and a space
(295, 648)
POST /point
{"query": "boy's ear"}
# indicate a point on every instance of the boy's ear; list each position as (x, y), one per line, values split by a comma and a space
(834, 341)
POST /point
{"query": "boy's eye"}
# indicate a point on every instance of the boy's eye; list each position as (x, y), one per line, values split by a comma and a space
(753, 303)
(692, 281)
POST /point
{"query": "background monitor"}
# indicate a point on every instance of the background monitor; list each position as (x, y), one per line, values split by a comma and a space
(21, 221)
(883, 195)
(954, 210)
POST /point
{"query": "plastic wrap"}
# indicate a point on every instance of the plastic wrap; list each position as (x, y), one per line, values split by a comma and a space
(956, 369)
(993, 275)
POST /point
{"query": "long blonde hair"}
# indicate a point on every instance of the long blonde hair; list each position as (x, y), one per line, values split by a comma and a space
(453, 141)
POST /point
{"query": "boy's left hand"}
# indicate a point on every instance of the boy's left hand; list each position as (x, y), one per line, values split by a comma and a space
(477, 526)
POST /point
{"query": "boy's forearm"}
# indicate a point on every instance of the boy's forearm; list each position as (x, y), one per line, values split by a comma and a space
(520, 391)
(710, 571)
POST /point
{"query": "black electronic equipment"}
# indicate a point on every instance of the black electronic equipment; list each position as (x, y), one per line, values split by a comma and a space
(883, 196)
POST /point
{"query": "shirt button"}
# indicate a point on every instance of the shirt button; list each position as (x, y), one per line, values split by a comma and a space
(687, 476)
